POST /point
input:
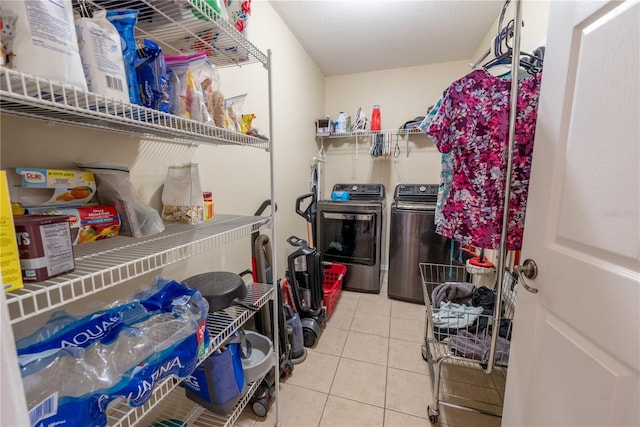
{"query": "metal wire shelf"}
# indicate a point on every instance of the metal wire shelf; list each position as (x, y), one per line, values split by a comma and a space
(186, 26)
(368, 133)
(178, 407)
(106, 263)
(30, 96)
(222, 324)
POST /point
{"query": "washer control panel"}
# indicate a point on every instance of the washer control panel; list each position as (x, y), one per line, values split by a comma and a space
(427, 193)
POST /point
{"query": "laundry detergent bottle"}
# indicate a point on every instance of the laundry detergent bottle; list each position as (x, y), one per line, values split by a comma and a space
(341, 124)
(375, 118)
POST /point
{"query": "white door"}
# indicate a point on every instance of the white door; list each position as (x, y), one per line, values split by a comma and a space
(575, 355)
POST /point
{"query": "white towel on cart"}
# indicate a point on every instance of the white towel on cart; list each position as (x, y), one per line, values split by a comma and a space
(455, 316)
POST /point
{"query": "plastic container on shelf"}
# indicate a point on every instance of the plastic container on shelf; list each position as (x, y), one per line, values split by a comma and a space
(332, 285)
(375, 118)
(341, 123)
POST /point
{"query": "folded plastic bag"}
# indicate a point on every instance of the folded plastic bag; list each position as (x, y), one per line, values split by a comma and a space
(195, 86)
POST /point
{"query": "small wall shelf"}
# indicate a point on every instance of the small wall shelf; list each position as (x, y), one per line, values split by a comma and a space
(369, 133)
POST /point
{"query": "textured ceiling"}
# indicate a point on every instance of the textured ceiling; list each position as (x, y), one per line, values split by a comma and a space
(354, 36)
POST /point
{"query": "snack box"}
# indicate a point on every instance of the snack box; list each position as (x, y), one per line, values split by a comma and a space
(10, 273)
(50, 187)
(44, 243)
(88, 223)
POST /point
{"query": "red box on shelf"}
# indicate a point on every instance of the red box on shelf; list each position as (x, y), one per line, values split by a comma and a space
(332, 284)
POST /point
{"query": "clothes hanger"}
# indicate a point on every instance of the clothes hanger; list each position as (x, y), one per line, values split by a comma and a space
(530, 62)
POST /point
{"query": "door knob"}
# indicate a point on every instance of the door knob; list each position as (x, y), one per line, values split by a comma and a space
(528, 269)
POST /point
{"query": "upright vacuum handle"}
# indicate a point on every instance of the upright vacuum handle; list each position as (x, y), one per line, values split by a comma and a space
(299, 200)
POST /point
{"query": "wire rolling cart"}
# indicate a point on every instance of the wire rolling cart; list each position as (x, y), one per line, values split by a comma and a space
(469, 346)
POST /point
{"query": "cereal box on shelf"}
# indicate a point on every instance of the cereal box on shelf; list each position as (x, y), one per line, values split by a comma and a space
(88, 223)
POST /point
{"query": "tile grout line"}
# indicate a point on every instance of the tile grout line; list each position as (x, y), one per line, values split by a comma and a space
(386, 383)
(337, 367)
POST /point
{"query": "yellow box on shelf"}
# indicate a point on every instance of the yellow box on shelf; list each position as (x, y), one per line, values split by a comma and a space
(10, 273)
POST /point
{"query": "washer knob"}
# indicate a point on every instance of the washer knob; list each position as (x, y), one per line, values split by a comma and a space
(354, 188)
(423, 188)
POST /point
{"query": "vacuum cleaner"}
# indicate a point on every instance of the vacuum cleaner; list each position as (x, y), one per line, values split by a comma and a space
(305, 277)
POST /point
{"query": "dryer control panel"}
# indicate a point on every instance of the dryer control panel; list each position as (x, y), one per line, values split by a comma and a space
(362, 191)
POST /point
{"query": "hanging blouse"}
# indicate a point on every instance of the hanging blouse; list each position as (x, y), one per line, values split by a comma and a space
(473, 124)
(446, 163)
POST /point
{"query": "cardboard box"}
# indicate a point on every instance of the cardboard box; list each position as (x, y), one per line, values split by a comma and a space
(50, 187)
(325, 127)
(88, 223)
(10, 273)
(44, 242)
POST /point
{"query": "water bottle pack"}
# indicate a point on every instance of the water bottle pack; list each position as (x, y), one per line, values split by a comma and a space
(72, 368)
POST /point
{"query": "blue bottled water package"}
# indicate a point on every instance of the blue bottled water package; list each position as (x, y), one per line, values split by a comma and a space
(79, 366)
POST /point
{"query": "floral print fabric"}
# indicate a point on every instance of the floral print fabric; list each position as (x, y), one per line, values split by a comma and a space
(446, 164)
(473, 124)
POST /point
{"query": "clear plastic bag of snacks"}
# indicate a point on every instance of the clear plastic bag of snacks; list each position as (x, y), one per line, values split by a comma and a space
(182, 195)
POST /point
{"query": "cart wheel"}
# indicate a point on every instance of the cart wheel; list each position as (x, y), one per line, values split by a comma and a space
(260, 407)
(286, 370)
(433, 415)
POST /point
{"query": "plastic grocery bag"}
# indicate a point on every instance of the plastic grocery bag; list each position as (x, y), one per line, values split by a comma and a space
(114, 188)
(182, 195)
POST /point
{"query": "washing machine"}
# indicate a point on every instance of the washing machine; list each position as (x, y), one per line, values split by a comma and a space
(413, 240)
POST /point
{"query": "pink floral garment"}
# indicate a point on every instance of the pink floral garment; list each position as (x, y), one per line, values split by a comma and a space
(473, 124)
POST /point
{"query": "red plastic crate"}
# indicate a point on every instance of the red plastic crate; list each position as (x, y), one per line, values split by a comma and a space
(332, 284)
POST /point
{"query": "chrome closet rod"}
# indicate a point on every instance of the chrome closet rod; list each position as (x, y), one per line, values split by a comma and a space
(515, 68)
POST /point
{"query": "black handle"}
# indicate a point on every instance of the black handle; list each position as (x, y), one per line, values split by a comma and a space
(264, 206)
(295, 241)
(299, 201)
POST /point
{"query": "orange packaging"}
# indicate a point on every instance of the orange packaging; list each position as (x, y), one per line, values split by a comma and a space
(208, 206)
(50, 187)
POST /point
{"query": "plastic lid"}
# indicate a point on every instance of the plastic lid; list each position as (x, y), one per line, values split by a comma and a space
(485, 263)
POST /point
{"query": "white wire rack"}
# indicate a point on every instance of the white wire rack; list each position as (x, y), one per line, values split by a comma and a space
(109, 262)
(178, 407)
(186, 26)
(443, 356)
(222, 324)
(367, 133)
(30, 96)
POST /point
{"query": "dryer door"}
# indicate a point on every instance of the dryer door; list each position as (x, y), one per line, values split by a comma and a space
(348, 237)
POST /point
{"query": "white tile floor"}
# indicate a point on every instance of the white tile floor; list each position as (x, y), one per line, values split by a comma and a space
(367, 370)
